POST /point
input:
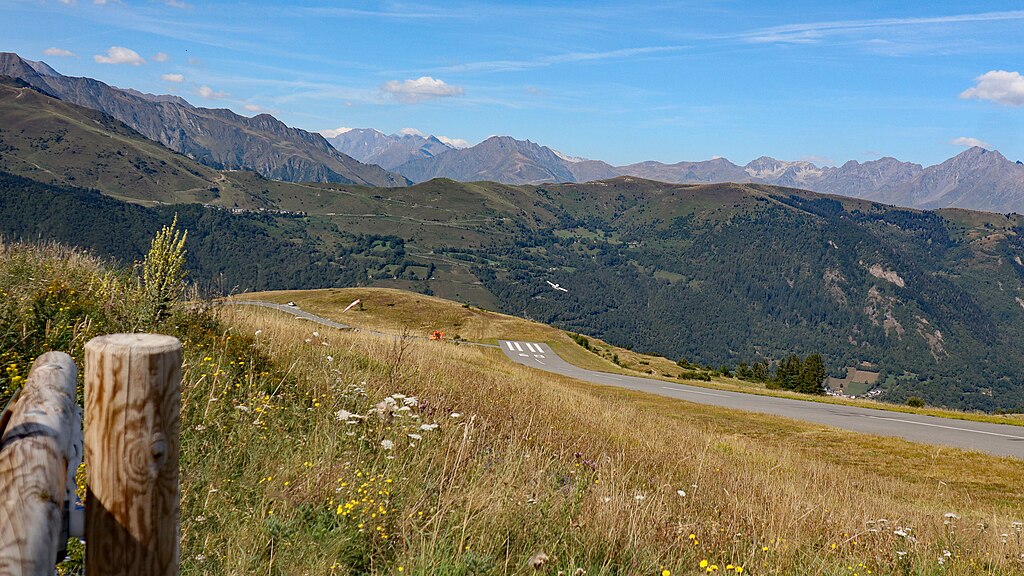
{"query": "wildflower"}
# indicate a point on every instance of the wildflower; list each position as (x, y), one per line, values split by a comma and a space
(538, 560)
(681, 493)
(330, 358)
(703, 564)
(410, 401)
(428, 427)
(456, 415)
(666, 572)
(387, 444)
(639, 497)
(257, 333)
(345, 415)
(242, 407)
(416, 437)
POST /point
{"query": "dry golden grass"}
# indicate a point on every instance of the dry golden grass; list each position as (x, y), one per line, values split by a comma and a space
(274, 483)
(395, 311)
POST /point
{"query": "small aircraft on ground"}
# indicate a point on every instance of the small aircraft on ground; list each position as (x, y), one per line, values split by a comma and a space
(556, 286)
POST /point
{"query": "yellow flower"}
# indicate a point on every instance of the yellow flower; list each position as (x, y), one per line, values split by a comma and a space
(703, 563)
(666, 573)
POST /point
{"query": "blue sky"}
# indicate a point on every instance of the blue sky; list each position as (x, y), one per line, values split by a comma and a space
(617, 81)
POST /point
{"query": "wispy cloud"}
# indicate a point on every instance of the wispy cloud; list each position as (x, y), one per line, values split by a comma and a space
(59, 52)
(968, 142)
(120, 55)
(176, 78)
(814, 31)
(566, 58)
(422, 88)
(999, 86)
(254, 107)
(161, 57)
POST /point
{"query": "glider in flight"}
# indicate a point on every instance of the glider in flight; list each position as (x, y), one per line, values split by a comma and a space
(556, 286)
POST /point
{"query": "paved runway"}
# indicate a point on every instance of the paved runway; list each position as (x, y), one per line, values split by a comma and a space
(997, 439)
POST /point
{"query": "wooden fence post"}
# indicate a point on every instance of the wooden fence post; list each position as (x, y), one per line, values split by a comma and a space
(132, 404)
(35, 450)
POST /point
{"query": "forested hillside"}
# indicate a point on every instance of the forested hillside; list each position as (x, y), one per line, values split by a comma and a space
(718, 274)
(226, 251)
(774, 272)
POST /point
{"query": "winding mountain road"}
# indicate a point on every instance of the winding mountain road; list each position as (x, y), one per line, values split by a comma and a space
(996, 439)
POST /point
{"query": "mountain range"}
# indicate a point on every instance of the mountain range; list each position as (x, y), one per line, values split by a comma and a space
(976, 179)
(218, 138)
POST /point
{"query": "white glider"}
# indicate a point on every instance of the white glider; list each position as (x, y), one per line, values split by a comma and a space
(349, 307)
(556, 286)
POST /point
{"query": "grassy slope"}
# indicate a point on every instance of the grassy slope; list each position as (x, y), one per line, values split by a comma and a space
(57, 142)
(589, 475)
(389, 310)
(520, 462)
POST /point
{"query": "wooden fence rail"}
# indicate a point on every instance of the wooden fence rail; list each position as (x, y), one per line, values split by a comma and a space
(132, 399)
(36, 451)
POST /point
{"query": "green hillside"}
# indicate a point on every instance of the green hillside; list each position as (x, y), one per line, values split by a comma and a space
(718, 274)
(724, 274)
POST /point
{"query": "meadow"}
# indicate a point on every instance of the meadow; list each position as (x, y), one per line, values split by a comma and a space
(308, 450)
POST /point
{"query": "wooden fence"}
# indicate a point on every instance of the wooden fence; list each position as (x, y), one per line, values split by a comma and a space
(132, 406)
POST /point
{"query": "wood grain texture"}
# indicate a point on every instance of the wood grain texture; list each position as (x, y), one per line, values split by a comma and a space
(35, 450)
(132, 404)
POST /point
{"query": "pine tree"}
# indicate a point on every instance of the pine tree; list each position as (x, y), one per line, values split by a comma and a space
(812, 375)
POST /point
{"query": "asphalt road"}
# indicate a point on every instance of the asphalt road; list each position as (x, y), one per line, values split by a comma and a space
(997, 439)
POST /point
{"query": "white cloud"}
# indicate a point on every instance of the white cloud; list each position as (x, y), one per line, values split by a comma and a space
(120, 55)
(161, 57)
(67, 2)
(58, 52)
(970, 142)
(422, 88)
(210, 94)
(177, 4)
(176, 78)
(454, 142)
(335, 132)
(410, 131)
(999, 86)
(253, 107)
